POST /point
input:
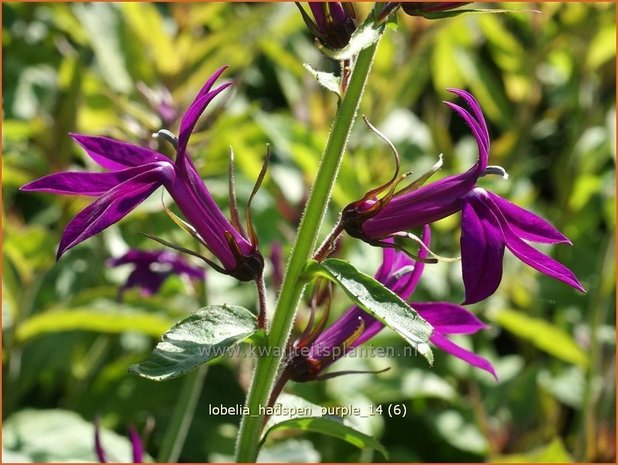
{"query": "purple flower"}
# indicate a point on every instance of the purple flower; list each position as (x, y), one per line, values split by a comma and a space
(400, 274)
(489, 222)
(135, 173)
(152, 268)
(333, 24)
(137, 447)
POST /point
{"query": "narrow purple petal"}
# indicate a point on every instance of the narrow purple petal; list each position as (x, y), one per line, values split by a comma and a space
(98, 446)
(84, 183)
(112, 207)
(209, 83)
(319, 13)
(539, 261)
(526, 224)
(482, 250)
(136, 445)
(189, 120)
(113, 154)
(448, 318)
(481, 139)
(476, 110)
(147, 280)
(337, 12)
(444, 344)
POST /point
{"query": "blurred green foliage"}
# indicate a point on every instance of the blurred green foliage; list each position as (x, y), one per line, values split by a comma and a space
(547, 85)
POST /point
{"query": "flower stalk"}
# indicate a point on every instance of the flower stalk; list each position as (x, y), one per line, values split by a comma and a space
(292, 288)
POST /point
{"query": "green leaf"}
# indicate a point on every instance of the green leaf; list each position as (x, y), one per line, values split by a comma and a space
(101, 25)
(118, 320)
(543, 335)
(328, 80)
(378, 301)
(312, 419)
(554, 452)
(198, 339)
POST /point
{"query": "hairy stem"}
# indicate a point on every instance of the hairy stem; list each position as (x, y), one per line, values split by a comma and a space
(292, 288)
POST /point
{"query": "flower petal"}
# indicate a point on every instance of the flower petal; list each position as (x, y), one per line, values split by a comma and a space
(136, 446)
(476, 110)
(481, 139)
(147, 280)
(539, 261)
(482, 250)
(83, 183)
(189, 120)
(526, 224)
(113, 154)
(111, 207)
(448, 318)
(98, 446)
(444, 344)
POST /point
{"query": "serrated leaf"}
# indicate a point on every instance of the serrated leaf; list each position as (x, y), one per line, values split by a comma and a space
(327, 80)
(196, 340)
(364, 36)
(312, 420)
(378, 301)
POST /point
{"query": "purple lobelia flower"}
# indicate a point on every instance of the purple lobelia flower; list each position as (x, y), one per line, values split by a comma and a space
(318, 349)
(489, 222)
(135, 173)
(333, 24)
(152, 268)
(137, 448)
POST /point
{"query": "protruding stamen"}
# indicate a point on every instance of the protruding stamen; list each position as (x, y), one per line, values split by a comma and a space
(495, 169)
(168, 136)
(378, 190)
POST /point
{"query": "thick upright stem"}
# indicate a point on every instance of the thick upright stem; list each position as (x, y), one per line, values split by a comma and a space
(292, 287)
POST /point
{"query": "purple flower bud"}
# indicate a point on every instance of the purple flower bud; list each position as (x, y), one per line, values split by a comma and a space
(333, 24)
(135, 173)
(137, 448)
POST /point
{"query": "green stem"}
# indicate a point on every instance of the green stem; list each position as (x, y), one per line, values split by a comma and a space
(177, 430)
(292, 288)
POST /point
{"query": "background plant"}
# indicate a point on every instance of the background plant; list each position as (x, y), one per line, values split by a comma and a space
(546, 83)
